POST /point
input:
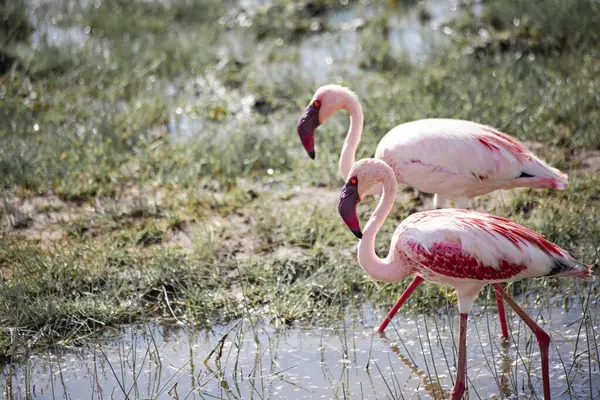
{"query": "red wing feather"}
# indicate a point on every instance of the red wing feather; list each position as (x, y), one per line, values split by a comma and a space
(447, 258)
(497, 139)
(515, 233)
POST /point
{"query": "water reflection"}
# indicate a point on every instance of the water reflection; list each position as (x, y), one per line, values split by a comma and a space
(248, 359)
(319, 58)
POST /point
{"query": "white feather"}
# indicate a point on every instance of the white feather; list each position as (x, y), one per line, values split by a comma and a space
(449, 157)
(483, 244)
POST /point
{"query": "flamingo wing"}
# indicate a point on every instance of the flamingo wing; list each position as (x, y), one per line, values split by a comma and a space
(478, 246)
(530, 166)
(461, 158)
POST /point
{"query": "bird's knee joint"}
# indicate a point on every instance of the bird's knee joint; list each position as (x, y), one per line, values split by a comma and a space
(543, 339)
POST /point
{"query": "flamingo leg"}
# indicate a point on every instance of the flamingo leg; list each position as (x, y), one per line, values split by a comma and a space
(461, 202)
(417, 280)
(439, 201)
(502, 315)
(461, 372)
(542, 337)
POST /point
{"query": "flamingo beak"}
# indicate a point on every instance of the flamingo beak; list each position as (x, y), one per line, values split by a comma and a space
(349, 199)
(307, 125)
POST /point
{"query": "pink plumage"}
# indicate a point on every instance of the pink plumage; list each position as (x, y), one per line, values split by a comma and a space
(464, 249)
(463, 244)
(453, 159)
(458, 159)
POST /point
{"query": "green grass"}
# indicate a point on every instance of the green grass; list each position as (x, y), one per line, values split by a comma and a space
(202, 221)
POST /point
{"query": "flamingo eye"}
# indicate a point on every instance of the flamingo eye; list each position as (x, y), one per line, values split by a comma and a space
(317, 104)
(353, 181)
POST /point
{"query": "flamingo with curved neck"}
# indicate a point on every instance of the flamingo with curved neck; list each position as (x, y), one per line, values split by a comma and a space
(464, 249)
(381, 269)
(327, 101)
(453, 159)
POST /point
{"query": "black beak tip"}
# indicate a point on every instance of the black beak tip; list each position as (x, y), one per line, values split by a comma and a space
(311, 154)
(357, 233)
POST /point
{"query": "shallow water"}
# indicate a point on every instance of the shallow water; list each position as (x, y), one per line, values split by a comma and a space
(254, 360)
(325, 55)
(318, 58)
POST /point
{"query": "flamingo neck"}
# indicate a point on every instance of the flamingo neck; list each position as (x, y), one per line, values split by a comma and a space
(348, 155)
(383, 269)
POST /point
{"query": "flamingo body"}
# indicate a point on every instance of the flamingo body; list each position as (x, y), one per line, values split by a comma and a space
(461, 248)
(458, 159)
(452, 245)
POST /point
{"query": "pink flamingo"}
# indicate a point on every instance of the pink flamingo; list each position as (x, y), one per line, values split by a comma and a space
(461, 248)
(453, 159)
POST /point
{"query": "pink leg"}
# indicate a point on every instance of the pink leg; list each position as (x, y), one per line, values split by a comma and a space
(417, 280)
(461, 372)
(542, 337)
(502, 315)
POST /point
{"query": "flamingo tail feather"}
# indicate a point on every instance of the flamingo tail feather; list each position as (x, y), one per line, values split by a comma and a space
(536, 182)
(537, 174)
(571, 268)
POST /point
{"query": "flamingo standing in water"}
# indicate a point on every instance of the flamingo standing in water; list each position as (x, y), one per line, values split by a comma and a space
(453, 159)
(461, 248)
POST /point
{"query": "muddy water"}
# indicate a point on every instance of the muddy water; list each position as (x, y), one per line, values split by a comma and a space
(253, 360)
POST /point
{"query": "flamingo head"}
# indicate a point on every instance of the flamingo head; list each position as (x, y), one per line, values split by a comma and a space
(326, 101)
(366, 176)
(349, 199)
